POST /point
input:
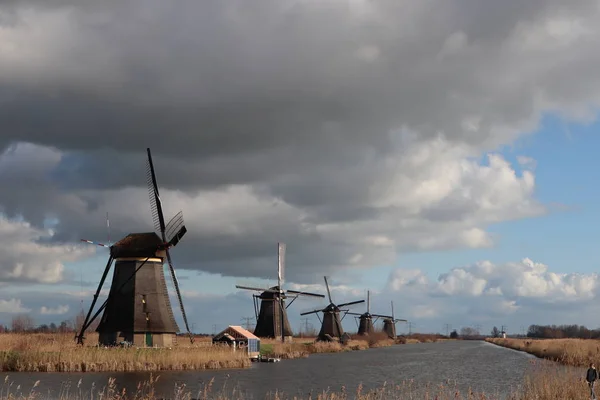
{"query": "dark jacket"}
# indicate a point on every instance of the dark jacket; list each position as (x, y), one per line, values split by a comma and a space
(591, 375)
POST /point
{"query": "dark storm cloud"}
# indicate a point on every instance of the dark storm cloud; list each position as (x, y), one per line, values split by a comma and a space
(328, 110)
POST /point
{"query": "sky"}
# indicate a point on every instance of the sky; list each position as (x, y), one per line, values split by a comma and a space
(444, 161)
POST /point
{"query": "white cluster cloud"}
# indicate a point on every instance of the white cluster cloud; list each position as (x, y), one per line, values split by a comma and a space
(58, 310)
(25, 256)
(13, 306)
(485, 291)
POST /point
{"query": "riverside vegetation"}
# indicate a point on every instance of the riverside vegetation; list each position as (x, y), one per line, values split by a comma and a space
(58, 352)
(573, 352)
(302, 347)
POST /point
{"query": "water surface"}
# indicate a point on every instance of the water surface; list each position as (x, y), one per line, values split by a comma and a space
(477, 365)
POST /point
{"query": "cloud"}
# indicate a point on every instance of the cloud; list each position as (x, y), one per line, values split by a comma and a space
(350, 141)
(484, 292)
(13, 306)
(58, 310)
(26, 258)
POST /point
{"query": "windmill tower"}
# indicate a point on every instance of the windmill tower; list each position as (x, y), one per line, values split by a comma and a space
(365, 326)
(389, 324)
(138, 309)
(331, 325)
(271, 319)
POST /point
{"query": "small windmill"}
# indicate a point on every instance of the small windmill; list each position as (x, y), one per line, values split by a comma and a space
(331, 325)
(138, 308)
(365, 326)
(271, 318)
(389, 324)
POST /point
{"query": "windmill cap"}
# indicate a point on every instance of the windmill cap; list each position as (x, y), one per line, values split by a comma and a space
(137, 245)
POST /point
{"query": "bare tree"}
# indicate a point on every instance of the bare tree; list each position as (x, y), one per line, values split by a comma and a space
(467, 332)
(22, 323)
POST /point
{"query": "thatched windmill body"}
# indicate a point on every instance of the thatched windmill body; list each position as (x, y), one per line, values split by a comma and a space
(138, 309)
(365, 326)
(389, 324)
(270, 307)
(331, 324)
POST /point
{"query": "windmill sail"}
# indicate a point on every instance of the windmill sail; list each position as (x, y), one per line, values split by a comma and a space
(272, 320)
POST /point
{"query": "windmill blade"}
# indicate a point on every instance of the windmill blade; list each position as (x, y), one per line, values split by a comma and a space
(280, 263)
(353, 313)
(310, 312)
(155, 204)
(381, 316)
(296, 292)
(256, 288)
(96, 243)
(174, 277)
(350, 303)
(175, 229)
(328, 292)
(392, 309)
(368, 301)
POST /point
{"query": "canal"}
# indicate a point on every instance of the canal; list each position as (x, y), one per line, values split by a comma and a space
(477, 365)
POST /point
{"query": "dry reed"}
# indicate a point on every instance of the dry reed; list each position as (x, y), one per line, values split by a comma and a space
(574, 352)
(59, 353)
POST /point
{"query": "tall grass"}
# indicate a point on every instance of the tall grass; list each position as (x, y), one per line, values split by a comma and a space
(59, 353)
(544, 382)
(574, 352)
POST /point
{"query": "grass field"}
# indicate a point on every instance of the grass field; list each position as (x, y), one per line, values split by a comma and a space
(59, 353)
(574, 352)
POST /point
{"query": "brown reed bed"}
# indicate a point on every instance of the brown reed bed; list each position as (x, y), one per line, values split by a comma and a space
(573, 352)
(59, 353)
(545, 381)
(301, 348)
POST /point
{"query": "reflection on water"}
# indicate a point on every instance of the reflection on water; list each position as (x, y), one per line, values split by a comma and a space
(468, 364)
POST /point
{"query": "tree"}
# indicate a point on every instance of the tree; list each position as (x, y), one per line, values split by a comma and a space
(453, 334)
(495, 332)
(467, 331)
(21, 323)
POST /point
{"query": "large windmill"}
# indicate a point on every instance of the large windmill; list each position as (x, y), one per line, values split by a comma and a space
(271, 318)
(331, 325)
(365, 326)
(389, 324)
(138, 309)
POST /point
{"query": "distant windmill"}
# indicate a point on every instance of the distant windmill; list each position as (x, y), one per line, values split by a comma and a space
(365, 326)
(331, 325)
(138, 308)
(271, 319)
(389, 324)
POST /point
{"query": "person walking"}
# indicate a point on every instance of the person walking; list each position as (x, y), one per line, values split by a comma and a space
(591, 377)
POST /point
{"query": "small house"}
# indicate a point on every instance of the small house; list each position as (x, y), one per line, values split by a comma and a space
(239, 338)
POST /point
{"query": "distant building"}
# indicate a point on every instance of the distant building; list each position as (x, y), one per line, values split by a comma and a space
(503, 334)
(239, 338)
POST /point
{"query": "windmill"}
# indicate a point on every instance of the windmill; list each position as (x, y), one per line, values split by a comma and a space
(271, 319)
(331, 325)
(389, 324)
(138, 308)
(365, 326)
